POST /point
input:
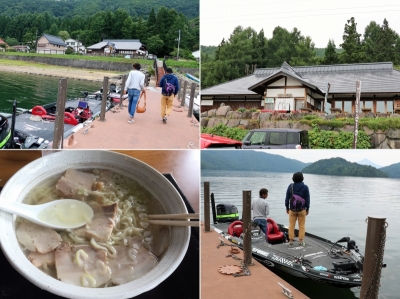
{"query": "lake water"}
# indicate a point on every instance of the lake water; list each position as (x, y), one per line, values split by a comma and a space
(32, 90)
(339, 207)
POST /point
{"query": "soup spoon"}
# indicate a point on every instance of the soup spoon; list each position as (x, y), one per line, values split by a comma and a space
(57, 214)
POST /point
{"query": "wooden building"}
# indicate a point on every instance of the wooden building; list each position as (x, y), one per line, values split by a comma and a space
(50, 44)
(118, 46)
(304, 88)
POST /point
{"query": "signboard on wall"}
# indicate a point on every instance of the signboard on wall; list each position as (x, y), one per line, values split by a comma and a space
(269, 100)
(284, 104)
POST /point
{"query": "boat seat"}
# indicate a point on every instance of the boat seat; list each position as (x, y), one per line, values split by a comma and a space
(82, 105)
(274, 234)
(235, 228)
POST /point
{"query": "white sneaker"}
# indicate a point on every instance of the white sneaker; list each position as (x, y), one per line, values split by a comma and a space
(130, 121)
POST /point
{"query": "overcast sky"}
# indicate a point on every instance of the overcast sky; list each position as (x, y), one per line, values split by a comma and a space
(321, 20)
(380, 157)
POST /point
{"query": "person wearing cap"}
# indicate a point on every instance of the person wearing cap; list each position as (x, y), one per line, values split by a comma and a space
(133, 86)
(297, 213)
(167, 99)
(260, 209)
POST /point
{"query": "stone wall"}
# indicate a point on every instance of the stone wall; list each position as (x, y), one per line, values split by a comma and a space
(388, 139)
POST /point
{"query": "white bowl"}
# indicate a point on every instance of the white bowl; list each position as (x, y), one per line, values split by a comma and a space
(41, 169)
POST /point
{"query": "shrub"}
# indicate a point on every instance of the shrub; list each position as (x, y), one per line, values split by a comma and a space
(222, 130)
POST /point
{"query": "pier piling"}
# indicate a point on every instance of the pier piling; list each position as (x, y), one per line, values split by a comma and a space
(104, 100)
(247, 227)
(373, 258)
(192, 91)
(121, 95)
(60, 111)
(184, 93)
(207, 207)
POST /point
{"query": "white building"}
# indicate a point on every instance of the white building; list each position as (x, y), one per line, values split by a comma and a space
(75, 45)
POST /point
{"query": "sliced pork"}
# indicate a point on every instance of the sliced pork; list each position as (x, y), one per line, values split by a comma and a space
(37, 238)
(102, 224)
(39, 259)
(130, 263)
(75, 181)
(82, 265)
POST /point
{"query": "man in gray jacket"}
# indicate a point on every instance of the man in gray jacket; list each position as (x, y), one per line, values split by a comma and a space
(260, 209)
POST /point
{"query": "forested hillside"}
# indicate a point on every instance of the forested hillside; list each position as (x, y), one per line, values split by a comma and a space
(155, 26)
(341, 167)
(245, 46)
(392, 170)
(248, 160)
(83, 8)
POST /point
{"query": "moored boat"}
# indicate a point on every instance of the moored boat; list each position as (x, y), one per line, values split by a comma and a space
(319, 259)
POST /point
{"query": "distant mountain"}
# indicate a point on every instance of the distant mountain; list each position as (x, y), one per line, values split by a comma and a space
(248, 160)
(341, 167)
(368, 162)
(392, 170)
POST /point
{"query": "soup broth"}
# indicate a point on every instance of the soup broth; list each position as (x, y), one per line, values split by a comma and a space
(117, 246)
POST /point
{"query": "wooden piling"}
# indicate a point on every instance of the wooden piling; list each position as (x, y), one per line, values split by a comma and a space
(373, 258)
(207, 207)
(192, 91)
(104, 100)
(122, 91)
(184, 93)
(247, 227)
(58, 135)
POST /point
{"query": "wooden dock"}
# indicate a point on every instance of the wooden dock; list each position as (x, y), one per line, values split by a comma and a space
(262, 283)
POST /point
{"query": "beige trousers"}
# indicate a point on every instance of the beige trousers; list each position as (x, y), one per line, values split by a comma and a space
(166, 105)
(301, 218)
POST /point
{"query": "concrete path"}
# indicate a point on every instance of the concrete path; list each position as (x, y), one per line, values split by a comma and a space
(261, 284)
(147, 132)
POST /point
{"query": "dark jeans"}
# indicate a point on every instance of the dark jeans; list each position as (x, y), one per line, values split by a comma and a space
(262, 223)
(133, 97)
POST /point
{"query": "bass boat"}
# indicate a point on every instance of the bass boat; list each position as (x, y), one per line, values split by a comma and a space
(319, 259)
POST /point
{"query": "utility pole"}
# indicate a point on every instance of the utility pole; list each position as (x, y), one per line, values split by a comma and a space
(179, 40)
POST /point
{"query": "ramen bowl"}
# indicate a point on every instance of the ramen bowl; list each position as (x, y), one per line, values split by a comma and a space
(42, 169)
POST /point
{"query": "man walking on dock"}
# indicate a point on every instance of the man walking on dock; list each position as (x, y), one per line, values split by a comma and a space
(169, 89)
(134, 85)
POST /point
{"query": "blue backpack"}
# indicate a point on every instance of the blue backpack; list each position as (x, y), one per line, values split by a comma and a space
(169, 88)
(297, 203)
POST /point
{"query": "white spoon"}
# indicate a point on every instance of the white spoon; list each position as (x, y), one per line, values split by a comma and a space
(57, 214)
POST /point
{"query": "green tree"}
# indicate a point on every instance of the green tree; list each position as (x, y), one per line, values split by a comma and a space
(353, 51)
(155, 44)
(370, 41)
(53, 29)
(127, 28)
(385, 49)
(11, 41)
(331, 56)
(64, 35)
(304, 54)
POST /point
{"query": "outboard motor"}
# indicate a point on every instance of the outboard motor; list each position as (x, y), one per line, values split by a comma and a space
(5, 132)
(113, 87)
(227, 213)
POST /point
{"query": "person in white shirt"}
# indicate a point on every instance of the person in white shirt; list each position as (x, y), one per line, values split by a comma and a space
(260, 209)
(133, 86)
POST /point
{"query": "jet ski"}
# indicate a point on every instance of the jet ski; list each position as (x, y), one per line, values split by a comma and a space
(319, 259)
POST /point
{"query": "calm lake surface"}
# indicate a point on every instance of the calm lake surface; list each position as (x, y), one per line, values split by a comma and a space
(339, 207)
(32, 90)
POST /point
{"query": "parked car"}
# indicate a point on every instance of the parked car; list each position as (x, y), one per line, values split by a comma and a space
(276, 138)
(210, 141)
(151, 56)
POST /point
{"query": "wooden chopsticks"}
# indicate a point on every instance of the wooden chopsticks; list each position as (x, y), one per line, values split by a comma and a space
(174, 219)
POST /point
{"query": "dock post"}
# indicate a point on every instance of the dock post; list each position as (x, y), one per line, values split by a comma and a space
(183, 93)
(60, 111)
(207, 207)
(180, 90)
(373, 258)
(213, 208)
(104, 100)
(122, 91)
(192, 91)
(247, 228)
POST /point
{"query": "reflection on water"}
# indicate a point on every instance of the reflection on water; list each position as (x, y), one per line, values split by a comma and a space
(32, 90)
(339, 207)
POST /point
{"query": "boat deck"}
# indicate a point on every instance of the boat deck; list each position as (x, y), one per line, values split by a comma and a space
(28, 123)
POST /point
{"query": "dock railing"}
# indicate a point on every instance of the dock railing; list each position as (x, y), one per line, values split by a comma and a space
(60, 111)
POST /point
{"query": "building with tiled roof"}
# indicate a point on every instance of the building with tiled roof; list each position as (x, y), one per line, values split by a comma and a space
(290, 88)
(50, 44)
(3, 45)
(118, 46)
